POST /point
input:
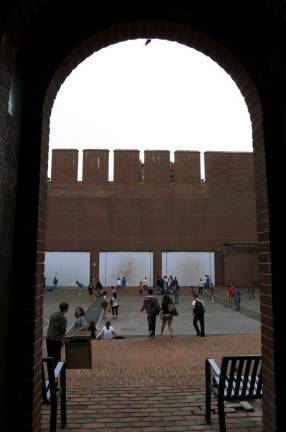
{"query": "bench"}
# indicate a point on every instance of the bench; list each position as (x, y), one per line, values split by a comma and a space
(53, 388)
(238, 379)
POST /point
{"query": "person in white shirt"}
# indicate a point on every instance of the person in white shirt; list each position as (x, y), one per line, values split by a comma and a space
(118, 283)
(108, 332)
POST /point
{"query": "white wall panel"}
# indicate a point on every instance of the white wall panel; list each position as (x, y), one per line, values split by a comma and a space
(188, 267)
(68, 267)
(133, 265)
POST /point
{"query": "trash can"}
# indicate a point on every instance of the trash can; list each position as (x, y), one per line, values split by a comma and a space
(78, 350)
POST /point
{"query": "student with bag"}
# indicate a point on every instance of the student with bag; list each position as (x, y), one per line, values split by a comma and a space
(199, 315)
(152, 308)
(168, 310)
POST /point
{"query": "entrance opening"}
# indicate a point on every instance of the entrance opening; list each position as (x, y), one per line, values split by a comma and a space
(161, 214)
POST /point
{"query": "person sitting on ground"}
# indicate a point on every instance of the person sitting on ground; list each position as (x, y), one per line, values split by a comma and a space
(108, 332)
(80, 323)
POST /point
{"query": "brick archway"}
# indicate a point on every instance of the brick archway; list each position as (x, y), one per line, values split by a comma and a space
(193, 39)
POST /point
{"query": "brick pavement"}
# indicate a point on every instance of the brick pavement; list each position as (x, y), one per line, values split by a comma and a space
(139, 385)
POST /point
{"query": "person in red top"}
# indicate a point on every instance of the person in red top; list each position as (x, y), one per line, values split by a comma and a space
(231, 294)
(140, 288)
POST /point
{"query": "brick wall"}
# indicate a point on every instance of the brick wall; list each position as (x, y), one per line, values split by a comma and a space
(164, 209)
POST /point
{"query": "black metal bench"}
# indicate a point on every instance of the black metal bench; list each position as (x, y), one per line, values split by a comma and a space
(54, 387)
(239, 379)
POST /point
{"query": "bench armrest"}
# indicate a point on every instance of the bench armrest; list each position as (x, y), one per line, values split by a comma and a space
(58, 369)
(214, 366)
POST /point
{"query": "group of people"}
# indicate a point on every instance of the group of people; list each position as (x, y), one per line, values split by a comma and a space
(233, 295)
(121, 283)
(58, 326)
(167, 310)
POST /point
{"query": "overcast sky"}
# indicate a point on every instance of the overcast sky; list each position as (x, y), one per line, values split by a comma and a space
(160, 96)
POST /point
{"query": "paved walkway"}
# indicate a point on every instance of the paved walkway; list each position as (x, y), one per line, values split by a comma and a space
(219, 318)
(143, 385)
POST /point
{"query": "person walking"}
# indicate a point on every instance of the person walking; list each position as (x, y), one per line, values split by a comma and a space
(104, 304)
(152, 308)
(80, 287)
(199, 315)
(56, 332)
(166, 316)
(114, 304)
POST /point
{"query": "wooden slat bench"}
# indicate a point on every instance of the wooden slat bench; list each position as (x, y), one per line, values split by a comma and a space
(238, 379)
(54, 387)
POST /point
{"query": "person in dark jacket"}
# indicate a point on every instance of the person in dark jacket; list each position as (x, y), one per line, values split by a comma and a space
(151, 306)
(198, 315)
(56, 332)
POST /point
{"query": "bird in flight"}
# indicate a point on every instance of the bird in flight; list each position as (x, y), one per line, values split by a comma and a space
(147, 41)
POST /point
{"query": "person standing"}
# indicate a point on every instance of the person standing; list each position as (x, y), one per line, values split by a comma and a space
(56, 332)
(201, 287)
(114, 304)
(176, 290)
(145, 284)
(140, 288)
(118, 283)
(55, 282)
(91, 292)
(152, 308)
(199, 315)
(251, 290)
(98, 288)
(237, 298)
(123, 283)
(211, 294)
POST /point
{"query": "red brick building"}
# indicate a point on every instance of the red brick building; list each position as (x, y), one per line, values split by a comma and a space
(159, 206)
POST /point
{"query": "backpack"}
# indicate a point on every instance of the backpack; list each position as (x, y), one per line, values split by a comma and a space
(199, 308)
(155, 307)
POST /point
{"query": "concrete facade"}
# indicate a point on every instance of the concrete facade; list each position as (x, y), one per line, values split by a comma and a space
(159, 206)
